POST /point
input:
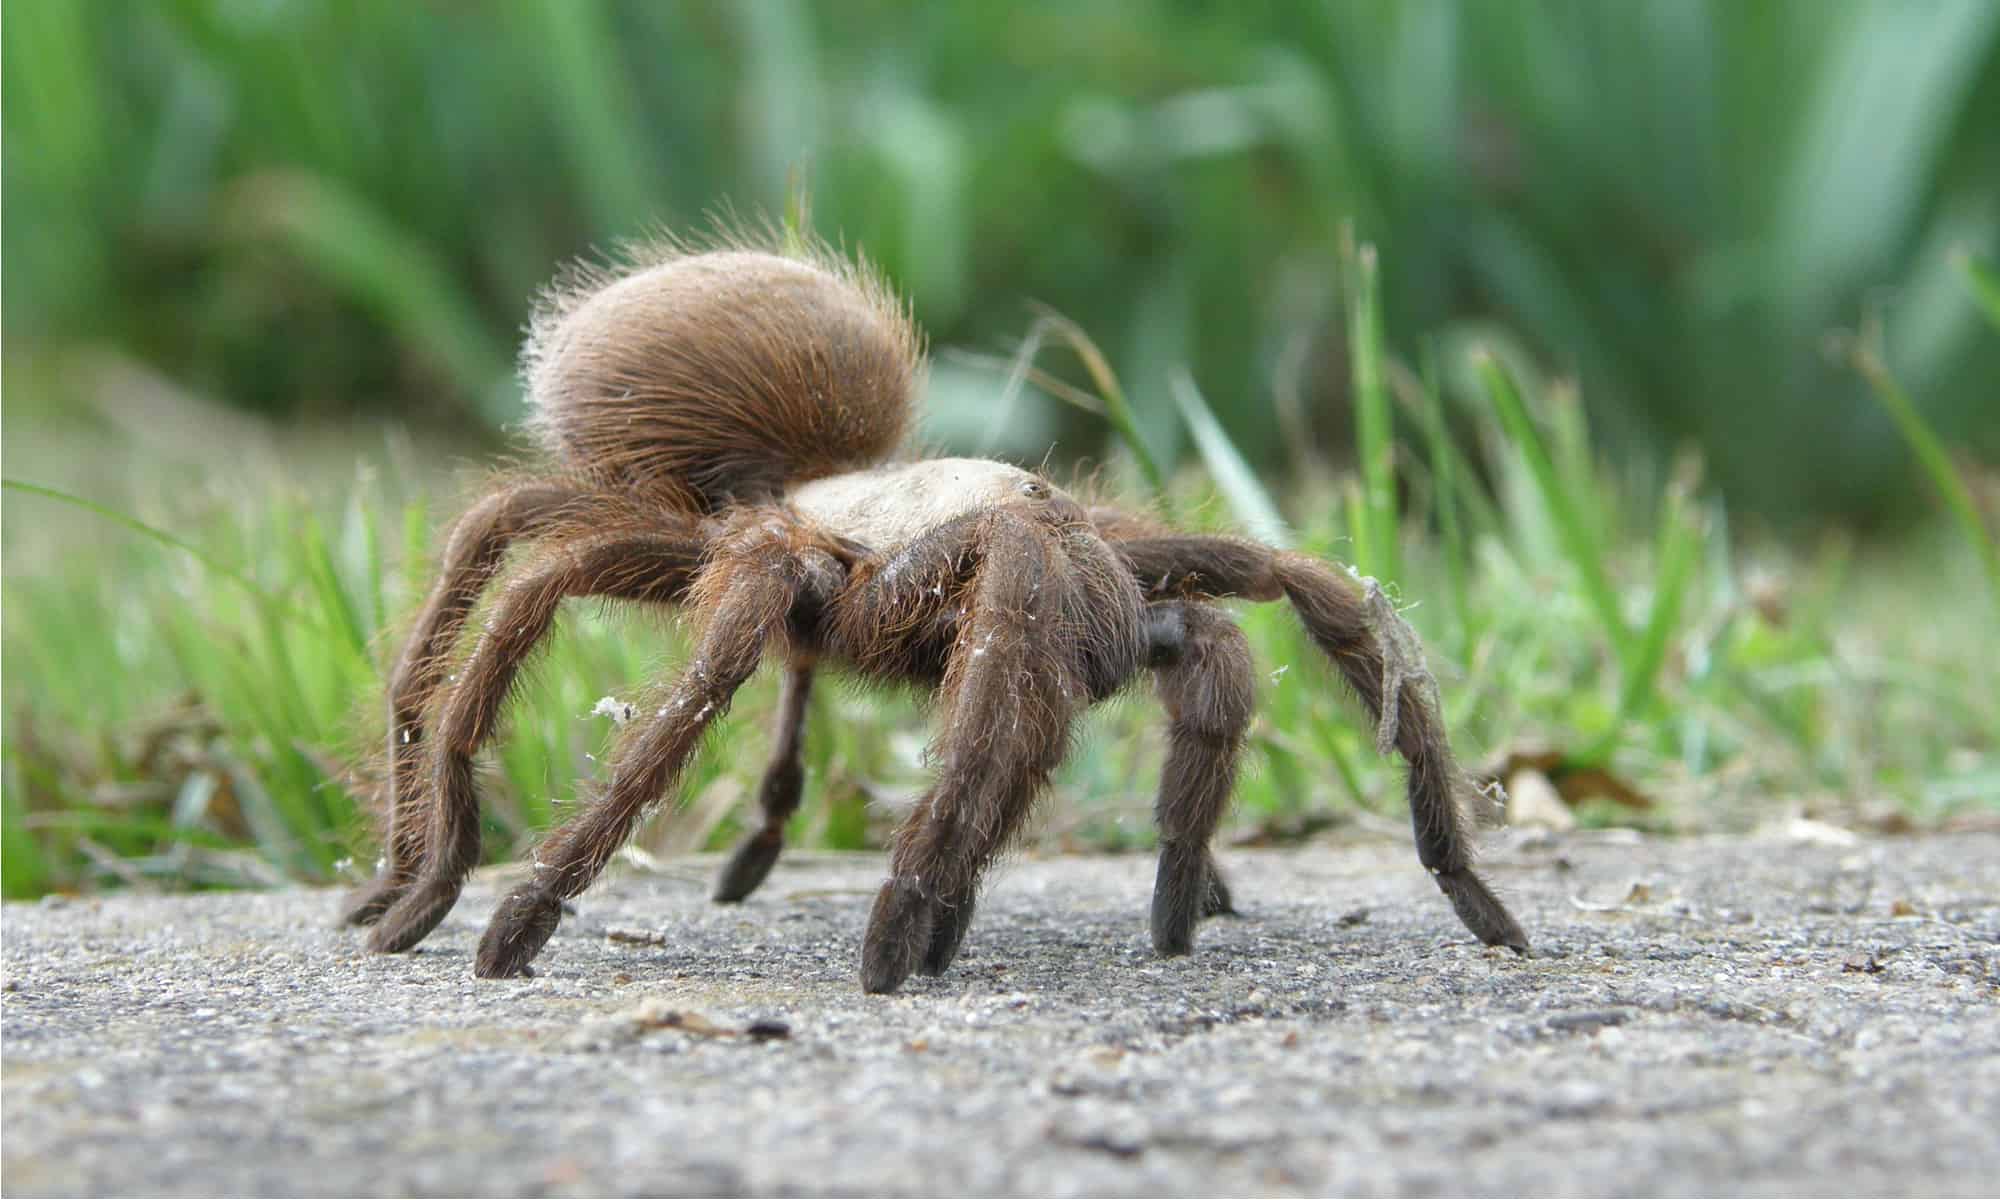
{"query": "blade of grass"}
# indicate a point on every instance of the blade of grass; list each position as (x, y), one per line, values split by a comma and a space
(1579, 544)
(1679, 547)
(1018, 371)
(1116, 409)
(1354, 512)
(1864, 353)
(1375, 430)
(316, 558)
(1981, 281)
(416, 548)
(1326, 734)
(1478, 515)
(1445, 477)
(365, 520)
(1233, 476)
(1570, 447)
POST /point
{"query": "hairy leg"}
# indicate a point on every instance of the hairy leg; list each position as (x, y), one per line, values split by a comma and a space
(757, 579)
(1339, 620)
(1011, 689)
(1206, 682)
(472, 553)
(644, 566)
(1104, 625)
(777, 797)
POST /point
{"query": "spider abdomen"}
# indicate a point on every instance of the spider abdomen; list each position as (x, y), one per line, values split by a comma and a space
(709, 378)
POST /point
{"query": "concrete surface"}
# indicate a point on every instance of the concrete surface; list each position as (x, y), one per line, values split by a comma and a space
(1711, 1016)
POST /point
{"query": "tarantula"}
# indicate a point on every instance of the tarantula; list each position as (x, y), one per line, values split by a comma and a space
(717, 424)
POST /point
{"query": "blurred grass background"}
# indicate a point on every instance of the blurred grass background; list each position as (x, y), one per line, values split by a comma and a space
(1646, 347)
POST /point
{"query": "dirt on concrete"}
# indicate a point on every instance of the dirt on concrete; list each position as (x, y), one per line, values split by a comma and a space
(1745, 1016)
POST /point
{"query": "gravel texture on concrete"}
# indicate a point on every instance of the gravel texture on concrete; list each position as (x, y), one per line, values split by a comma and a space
(1743, 1016)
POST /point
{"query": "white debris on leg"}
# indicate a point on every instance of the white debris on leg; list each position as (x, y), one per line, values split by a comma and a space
(1402, 662)
(618, 710)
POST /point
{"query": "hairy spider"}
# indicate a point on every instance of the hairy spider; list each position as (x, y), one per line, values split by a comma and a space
(718, 426)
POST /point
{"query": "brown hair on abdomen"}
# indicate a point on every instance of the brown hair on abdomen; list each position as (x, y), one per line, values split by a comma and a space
(725, 375)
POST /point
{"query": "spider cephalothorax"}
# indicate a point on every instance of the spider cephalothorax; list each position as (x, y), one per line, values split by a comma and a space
(718, 424)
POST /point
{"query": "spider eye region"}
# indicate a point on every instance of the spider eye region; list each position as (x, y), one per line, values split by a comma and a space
(1034, 489)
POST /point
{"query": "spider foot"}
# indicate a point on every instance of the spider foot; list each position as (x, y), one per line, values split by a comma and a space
(412, 918)
(947, 935)
(899, 934)
(1186, 889)
(1481, 910)
(521, 926)
(366, 904)
(747, 867)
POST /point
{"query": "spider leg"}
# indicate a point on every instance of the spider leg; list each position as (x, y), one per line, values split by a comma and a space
(777, 796)
(757, 580)
(630, 565)
(1341, 624)
(1012, 685)
(1206, 682)
(472, 553)
(1103, 632)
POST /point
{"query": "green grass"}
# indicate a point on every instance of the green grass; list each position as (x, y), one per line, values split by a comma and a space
(1865, 352)
(1620, 230)
(318, 209)
(193, 673)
